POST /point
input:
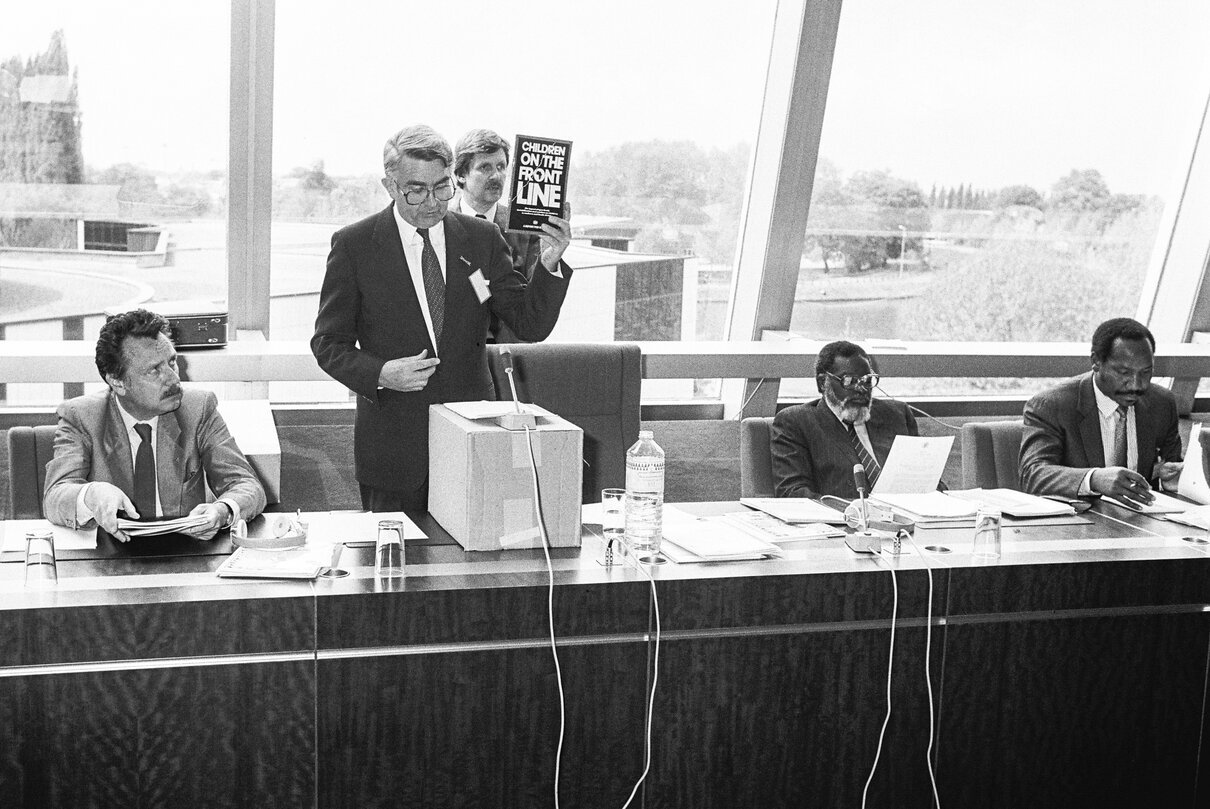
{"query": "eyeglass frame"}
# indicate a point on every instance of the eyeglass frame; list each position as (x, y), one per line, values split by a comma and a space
(851, 381)
(426, 191)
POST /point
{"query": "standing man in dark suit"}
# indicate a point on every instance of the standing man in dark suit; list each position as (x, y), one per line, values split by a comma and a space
(816, 445)
(404, 308)
(480, 172)
(1109, 431)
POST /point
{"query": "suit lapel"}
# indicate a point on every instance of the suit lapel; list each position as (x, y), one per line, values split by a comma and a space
(395, 279)
(458, 268)
(170, 471)
(1143, 425)
(831, 426)
(881, 437)
(115, 443)
(1090, 424)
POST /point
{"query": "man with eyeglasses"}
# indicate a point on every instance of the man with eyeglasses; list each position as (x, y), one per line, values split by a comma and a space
(816, 445)
(404, 309)
(481, 173)
(1108, 431)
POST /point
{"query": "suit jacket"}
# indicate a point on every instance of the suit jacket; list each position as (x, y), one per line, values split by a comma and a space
(1062, 436)
(812, 453)
(369, 313)
(193, 448)
(526, 252)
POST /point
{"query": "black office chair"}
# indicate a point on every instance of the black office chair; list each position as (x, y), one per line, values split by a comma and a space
(595, 386)
(29, 450)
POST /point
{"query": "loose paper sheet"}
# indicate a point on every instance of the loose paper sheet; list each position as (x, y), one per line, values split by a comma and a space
(914, 464)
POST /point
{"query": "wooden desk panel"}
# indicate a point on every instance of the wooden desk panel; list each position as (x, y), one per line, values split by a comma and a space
(1086, 645)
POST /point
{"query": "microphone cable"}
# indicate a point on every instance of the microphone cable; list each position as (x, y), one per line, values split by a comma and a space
(890, 668)
(928, 680)
(550, 605)
(748, 401)
(655, 679)
(910, 406)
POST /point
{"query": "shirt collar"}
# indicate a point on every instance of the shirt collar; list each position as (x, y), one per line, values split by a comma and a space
(130, 420)
(1106, 405)
(465, 207)
(408, 231)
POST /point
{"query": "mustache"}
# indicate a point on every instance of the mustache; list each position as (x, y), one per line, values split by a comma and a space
(172, 392)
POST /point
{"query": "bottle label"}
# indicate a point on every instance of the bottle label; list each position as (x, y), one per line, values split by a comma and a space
(645, 476)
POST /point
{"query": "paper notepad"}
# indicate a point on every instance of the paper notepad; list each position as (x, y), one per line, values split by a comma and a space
(1163, 504)
(1014, 503)
(795, 509)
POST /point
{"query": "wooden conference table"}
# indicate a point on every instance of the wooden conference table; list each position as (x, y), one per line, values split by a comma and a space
(1071, 673)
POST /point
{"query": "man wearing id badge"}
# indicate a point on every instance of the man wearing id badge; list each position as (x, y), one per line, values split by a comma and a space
(404, 309)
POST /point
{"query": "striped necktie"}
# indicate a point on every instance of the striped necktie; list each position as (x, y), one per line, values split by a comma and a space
(434, 283)
(144, 474)
(1119, 436)
(872, 467)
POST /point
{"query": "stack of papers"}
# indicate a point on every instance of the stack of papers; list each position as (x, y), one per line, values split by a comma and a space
(1015, 503)
(294, 563)
(691, 539)
(1163, 504)
(136, 528)
(931, 509)
(1197, 516)
(768, 528)
(795, 509)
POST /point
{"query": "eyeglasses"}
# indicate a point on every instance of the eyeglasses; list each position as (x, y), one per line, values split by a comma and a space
(869, 381)
(416, 196)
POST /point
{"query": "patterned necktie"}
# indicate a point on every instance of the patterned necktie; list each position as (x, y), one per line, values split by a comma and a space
(872, 468)
(144, 474)
(434, 282)
(1119, 436)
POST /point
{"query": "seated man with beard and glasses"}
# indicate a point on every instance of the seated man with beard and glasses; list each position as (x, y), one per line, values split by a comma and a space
(146, 446)
(816, 445)
(1108, 431)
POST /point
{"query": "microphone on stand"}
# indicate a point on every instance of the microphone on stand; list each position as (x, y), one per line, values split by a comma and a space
(865, 540)
(863, 485)
(519, 419)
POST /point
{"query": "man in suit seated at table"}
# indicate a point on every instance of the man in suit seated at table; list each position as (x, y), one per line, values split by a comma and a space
(481, 173)
(1108, 431)
(146, 447)
(816, 445)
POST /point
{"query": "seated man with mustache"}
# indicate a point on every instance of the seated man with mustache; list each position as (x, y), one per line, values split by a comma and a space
(816, 445)
(146, 446)
(1109, 431)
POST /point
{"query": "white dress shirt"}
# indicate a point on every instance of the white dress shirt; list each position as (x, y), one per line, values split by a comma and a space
(84, 513)
(413, 248)
(1107, 411)
(465, 207)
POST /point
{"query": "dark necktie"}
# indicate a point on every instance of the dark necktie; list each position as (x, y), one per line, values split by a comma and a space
(1119, 436)
(872, 468)
(144, 474)
(480, 216)
(434, 283)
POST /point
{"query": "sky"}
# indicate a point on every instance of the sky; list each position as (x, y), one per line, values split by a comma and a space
(990, 93)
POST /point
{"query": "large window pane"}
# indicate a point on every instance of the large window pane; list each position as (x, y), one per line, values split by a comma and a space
(996, 170)
(113, 155)
(661, 101)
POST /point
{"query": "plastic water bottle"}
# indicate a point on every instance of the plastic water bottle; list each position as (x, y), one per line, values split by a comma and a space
(644, 497)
